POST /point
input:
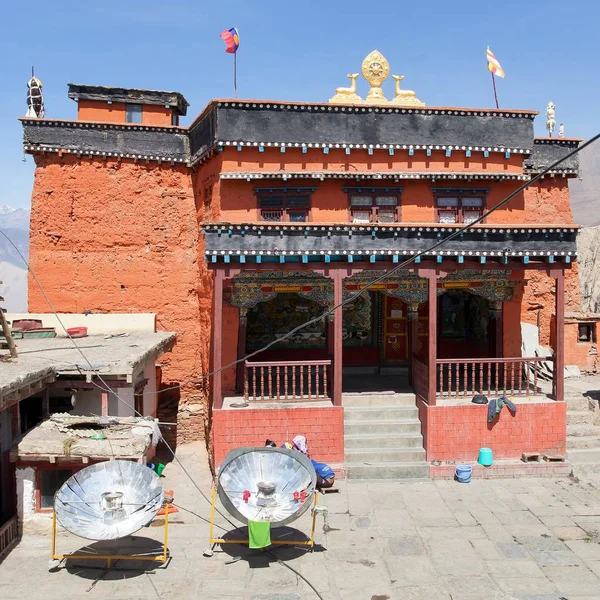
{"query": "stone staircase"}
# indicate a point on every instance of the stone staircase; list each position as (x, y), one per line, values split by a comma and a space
(382, 437)
(583, 436)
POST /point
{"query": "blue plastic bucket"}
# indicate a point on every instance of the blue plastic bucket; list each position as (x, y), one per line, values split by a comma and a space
(150, 465)
(485, 457)
(463, 473)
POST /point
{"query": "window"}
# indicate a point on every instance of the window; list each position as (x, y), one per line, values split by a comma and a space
(462, 207)
(174, 119)
(374, 206)
(291, 205)
(586, 332)
(49, 482)
(133, 113)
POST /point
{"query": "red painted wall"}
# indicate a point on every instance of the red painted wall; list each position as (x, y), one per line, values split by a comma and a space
(102, 112)
(458, 432)
(322, 426)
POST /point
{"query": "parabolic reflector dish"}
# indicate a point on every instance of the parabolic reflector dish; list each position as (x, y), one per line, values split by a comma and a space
(266, 484)
(108, 500)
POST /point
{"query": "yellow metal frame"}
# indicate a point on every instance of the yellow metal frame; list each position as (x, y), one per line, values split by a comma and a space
(161, 558)
(310, 543)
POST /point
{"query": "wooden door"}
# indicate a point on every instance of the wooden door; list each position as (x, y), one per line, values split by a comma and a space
(395, 331)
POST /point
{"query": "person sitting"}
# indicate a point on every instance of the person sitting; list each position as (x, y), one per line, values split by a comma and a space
(299, 443)
(325, 475)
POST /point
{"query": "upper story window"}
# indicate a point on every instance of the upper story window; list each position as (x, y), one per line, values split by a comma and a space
(459, 206)
(284, 204)
(372, 205)
(133, 113)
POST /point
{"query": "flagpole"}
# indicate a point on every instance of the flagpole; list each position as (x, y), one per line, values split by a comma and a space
(235, 74)
(495, 93)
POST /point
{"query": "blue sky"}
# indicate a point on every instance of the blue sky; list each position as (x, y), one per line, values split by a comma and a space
(297, 51)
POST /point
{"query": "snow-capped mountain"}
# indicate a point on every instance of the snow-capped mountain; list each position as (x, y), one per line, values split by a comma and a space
(14, 222)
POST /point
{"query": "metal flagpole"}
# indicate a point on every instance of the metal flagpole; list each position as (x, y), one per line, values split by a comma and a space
(235, 74)
(494, 84)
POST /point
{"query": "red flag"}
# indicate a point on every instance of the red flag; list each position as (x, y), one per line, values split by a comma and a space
(231, 37)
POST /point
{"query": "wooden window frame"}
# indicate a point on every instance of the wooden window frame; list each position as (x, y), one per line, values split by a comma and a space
(285, 209)
(460, 195)
(374, 208)
(592, 336)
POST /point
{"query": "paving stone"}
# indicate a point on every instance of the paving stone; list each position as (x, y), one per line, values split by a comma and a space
(405, 546)
(502, 569)
(395, 522)
(526, 586)
(585, 549)
(569, 533)
(361, 523)
(512, 550)
(411, 570)
(455, 557)
(594, 566)
(563, 558)
(486, 549)
(557, 521)
(275, 597)
(546, 544)
(423, 592)
(479, 586)
(452, 533)
(572, 581)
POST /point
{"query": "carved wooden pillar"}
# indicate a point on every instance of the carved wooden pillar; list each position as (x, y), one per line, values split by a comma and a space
(217, 341)
(104, 399)
(559, 337)
(496, 315)
(241, 350)
(432, 323)
(338, 283)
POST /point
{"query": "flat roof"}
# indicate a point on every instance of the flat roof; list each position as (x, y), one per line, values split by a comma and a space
(71, 437)
(41, 360)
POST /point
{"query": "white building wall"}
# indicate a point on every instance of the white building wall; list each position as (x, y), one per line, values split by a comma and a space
(123, 405)
(25, 493)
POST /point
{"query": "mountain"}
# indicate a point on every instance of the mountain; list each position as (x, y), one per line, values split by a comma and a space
(14, 222)
(585, 191)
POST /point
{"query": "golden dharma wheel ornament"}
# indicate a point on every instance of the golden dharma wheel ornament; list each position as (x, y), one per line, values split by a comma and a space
(375, 69)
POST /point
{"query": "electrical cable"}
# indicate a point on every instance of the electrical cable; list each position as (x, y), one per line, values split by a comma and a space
(351, 298)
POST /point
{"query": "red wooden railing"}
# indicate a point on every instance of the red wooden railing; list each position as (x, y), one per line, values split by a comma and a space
(286, 381)
(419, 377)
(490, 376)
(9, 533)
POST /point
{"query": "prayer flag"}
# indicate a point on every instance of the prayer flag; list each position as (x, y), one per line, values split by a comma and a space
(493, 64)
(231, 37)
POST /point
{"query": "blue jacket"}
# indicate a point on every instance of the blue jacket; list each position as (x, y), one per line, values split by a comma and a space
(323, 470)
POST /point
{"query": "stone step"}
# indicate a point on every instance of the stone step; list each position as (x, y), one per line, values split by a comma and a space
(390, 470)
(583, 441)
(374, 456)
(380, 413)
(386, 440)
(580, 429)
(580, 416)
(367, 400)
(382, 427)
(578, 402)
(587, 471)
(583, 455)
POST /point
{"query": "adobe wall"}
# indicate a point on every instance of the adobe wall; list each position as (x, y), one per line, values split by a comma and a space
(102, 112)
(118, 236)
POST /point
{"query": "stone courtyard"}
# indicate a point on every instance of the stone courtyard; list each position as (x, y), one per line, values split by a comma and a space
(527, 539)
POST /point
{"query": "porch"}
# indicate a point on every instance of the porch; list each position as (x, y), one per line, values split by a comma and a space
(408, 335)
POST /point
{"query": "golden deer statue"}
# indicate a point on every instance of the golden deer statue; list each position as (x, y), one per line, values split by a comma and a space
(405, 97)
(345, 95)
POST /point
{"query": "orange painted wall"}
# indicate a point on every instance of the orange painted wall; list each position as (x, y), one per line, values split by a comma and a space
(111, 236)
(329, 202)
(102, 112)
(582, 354)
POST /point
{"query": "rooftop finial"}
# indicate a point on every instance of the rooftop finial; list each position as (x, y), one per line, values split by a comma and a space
(375, 69)
(550, 118)
(35, 98)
